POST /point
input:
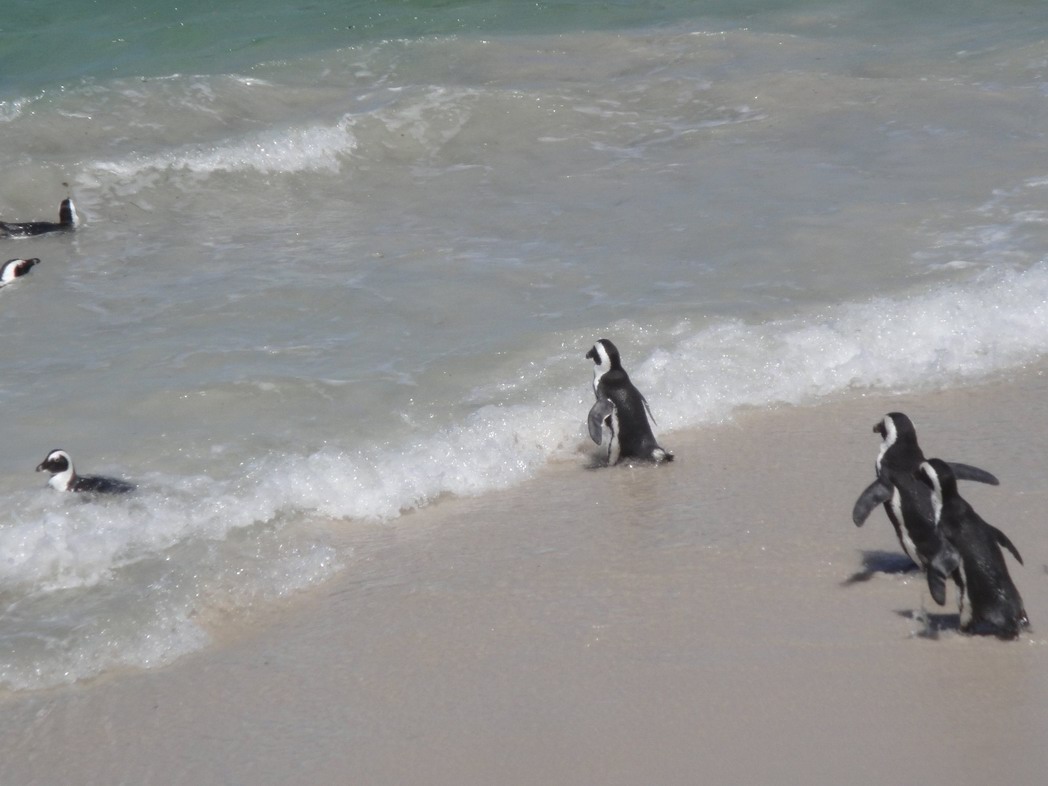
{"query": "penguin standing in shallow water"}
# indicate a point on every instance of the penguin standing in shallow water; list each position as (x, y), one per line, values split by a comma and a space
(68, 220)
(989, 602)
(64, 477)
(908, 502)
(621, 412)
(16, 268)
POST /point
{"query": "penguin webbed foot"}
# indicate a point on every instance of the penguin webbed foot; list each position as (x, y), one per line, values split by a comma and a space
(1008, 631)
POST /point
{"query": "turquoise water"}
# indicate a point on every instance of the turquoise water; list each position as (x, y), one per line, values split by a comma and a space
(59, 42)
(340, 260)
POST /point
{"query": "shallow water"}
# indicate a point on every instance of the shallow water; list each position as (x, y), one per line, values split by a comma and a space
(330, 278)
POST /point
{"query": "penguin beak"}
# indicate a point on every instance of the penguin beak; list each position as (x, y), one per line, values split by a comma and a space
(592, 355)
(40, 467)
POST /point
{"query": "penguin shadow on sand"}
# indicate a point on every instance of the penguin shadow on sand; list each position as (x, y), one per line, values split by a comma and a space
(941, 536)
(877, 561)
(891, 563)
(619, 420)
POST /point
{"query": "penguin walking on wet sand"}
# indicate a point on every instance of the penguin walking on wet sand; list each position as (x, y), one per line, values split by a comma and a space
(908, 502)
(64, 477)
(68, 220)
(990, 604)
(16, 268)
(619, 418)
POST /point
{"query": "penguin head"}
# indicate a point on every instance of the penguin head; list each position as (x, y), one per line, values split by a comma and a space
(605, 356)
(67, 215)
(895, 426)
(60, 466)
(897, 432)
(15, 268)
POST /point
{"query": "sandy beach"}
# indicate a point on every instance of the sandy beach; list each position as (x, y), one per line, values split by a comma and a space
(716, 620)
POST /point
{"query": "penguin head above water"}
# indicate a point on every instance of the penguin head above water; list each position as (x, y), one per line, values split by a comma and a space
(16, 268)
(67, 215)
(60, 465)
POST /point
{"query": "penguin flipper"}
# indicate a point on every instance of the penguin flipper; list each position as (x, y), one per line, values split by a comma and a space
(1004, 541)
(937, 586)
(595, 421)
(968, 472)
(943, 564)
(875, 494)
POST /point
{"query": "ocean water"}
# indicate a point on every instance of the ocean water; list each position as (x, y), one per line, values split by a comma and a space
(341, 259)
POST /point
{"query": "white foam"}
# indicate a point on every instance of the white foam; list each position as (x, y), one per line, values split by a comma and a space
(312, 148)
(691, 376)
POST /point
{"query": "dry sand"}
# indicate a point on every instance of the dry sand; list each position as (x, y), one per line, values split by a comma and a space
(694, 623)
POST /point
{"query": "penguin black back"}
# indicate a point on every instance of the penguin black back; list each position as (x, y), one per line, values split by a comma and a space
(67, 221)
(990, 603)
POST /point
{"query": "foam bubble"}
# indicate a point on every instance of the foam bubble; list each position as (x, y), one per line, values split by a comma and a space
(313, 148)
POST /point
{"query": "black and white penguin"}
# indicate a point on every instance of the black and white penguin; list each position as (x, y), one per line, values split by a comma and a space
(68, 220)
(64, 477)
(908, 502)
(16, 268)
(989, 602)
(626, 422)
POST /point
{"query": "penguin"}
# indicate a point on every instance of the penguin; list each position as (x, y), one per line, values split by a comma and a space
(908, 502)
(68, 220)
(64, 477)
(989, 602)
(16, 268)
(627, 420)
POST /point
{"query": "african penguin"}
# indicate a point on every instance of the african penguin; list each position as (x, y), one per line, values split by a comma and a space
(908, 502)
(64, 477)
(16, 268)
(68, 219)
(626, 422)
(989, 602)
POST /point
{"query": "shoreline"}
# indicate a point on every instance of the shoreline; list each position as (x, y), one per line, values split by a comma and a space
(695, 622)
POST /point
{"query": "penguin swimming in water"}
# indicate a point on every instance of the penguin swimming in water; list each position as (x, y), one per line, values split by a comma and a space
(64, 477)
(16, 268)
(621, 412)
(68, 220)
(908, 502)
(989, 602)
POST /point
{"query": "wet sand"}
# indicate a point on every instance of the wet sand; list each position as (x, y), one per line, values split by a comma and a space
(716, 620)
